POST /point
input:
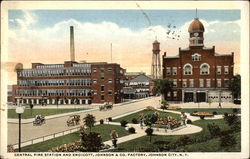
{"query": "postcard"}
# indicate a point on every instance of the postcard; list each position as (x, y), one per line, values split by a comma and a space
(124, 79)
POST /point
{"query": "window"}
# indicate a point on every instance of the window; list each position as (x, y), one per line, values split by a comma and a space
(175, 94)
(110, 80)
(204, 69)
(94, 80)
(174, 70)
(226, 82)
(175, 83)
(169, 94)
(201, 82)
(218, 82)
(187, 69)
(196, 57)
(218, 70)
(94, 69)
(102, 69)
(109, 92)
(208, 82)
(226, 70)
(110, 69)
(191, 82)
(102, 88)
(102, 97)
(168, 70)
(102, 76)
(184, 83)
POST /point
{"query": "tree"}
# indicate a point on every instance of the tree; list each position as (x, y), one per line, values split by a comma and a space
(235, 86)
(162, 86)
(91, 142)
(89, 121)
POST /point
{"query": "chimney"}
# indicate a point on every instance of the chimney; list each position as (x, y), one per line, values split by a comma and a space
(72, 45)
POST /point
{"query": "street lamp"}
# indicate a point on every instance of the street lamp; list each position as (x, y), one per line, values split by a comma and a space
(198, 98)
(19, 111)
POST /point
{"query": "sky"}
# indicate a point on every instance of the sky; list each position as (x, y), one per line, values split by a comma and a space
(43, 35)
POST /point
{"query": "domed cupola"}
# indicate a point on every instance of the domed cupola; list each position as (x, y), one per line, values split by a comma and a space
(196, 30)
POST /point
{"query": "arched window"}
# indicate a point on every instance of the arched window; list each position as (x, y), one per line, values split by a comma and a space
(204, 69)
(187, 69)
(196, 57)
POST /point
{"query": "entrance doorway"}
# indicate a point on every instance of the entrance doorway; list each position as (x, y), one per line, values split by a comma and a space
(188, 97)
(201, 97)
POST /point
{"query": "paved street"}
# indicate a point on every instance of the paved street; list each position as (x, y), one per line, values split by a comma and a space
(59, 124)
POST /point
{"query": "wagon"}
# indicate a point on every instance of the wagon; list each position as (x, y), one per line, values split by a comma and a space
(73, 120)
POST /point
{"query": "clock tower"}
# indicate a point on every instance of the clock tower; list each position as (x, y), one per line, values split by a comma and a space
(196, 30)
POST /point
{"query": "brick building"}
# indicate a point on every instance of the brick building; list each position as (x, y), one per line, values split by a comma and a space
(69, 83)
(199, 73)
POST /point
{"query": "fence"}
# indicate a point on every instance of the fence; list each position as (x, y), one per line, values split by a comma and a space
(47, 137)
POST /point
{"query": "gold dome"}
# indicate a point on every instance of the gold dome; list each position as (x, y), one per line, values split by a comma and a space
(195, 26)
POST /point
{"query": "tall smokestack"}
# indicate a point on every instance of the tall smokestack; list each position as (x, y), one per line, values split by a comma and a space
(72, 45)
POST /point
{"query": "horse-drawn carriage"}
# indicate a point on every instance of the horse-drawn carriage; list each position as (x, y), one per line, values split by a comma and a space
(73, 120)
(39, 120)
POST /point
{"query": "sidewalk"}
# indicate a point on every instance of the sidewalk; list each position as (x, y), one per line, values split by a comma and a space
(182, 130)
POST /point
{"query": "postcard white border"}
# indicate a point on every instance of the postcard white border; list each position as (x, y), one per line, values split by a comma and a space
(244, 56)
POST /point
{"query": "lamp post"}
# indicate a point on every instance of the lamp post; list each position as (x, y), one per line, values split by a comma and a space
(198, 98)
(19, 111)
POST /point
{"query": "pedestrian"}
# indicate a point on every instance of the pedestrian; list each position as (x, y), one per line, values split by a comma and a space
(141, 120)
(219, 105)
(114, 136)
(183, 117)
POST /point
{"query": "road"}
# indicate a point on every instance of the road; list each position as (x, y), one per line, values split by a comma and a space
(59, 124)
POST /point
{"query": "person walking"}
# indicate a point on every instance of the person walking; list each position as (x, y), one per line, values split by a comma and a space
(183, 117)
(114, 136)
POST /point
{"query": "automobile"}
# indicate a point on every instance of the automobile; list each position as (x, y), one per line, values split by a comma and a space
(73, 120)
(39, 120)
(237, 101)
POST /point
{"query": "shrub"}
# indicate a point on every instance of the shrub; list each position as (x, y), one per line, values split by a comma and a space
(110, 119)
(184, 140)
(235, 111)
(189, 121)
(124, 123)
(215, 113)
(214, 130)
(134, 121)
(225, 114)
(101, 121)
(149, 131)
(227, 140)
(202, 117)
(91, 142)
(233, 121)
(131, 130)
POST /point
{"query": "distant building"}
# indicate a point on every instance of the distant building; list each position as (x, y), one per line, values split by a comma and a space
(139, 86)
(9, 93)
(69, 83)
(199, 74)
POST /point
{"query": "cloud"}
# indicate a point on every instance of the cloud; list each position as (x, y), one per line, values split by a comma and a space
(131, 48)
(28, 19)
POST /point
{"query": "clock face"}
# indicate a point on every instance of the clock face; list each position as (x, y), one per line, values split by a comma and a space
(196, 34)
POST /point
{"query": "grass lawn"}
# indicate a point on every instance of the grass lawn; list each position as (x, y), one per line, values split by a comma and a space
(210, 110)
(104, 131)
(128, 118)
(28, 113)
(208, 146)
